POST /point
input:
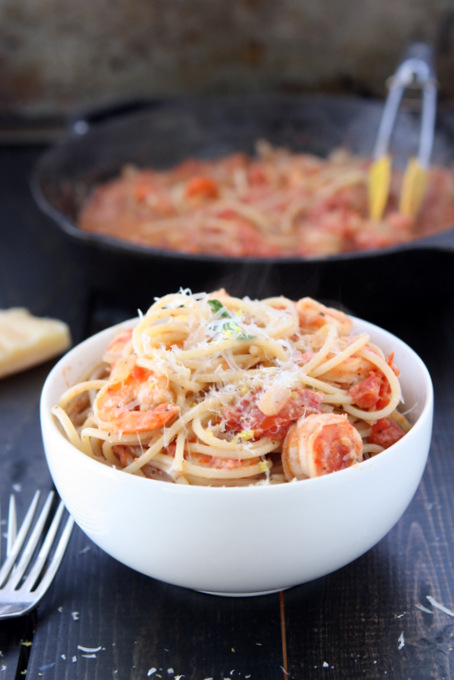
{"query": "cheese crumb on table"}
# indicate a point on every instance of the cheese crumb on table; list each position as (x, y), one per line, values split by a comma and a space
(27, 340)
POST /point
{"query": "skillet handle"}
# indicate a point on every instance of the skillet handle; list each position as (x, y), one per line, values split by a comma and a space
(83, 120)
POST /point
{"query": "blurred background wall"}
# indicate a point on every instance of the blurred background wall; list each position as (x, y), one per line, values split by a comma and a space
(57, 56)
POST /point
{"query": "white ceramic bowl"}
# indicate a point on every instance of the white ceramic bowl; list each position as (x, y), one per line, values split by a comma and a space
(243, 540)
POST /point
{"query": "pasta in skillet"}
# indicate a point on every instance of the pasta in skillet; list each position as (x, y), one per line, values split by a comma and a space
(275, 204)
(216, 390)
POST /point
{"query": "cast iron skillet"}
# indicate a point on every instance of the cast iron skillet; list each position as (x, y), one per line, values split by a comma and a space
(160, 134)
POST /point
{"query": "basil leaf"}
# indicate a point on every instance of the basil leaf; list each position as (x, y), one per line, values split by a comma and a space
(216, 306)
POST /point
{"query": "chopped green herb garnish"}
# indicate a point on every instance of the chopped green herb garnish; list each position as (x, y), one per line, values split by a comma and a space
(216, 306)
(230, 327)
(226, 324)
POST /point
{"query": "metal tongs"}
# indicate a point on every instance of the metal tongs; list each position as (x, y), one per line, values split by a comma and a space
(416, 71)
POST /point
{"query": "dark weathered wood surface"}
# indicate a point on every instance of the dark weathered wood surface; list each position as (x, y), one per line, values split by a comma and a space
(372, 619)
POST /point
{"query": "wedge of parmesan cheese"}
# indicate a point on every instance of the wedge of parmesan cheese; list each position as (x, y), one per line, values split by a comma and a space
(27, 340)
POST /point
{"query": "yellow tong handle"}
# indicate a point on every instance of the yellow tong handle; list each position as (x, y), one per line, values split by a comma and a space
(414, 186)
(379, 182)
(416, 69)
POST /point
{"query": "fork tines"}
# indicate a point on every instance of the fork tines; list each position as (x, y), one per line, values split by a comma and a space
(33, 553)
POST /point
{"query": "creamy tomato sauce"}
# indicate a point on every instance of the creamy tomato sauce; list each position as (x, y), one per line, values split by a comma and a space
(277, 203)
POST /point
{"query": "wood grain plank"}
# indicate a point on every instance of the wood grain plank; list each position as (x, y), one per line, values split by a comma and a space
(373, 618)
(136, 624)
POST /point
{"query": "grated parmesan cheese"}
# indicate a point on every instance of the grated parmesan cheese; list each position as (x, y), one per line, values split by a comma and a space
(89, 650)
(439, 606)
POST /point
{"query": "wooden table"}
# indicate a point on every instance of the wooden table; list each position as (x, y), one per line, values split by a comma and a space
(372, 619)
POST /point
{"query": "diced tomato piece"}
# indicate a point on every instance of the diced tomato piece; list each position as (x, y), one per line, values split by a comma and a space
(203, 187)
(366, 393)
(142, 188)
(385, 390)
(256, 175)
(374, 391)
(385, 432)
(246, 415)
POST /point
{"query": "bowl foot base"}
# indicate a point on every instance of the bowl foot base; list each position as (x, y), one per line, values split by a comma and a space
(251, 594)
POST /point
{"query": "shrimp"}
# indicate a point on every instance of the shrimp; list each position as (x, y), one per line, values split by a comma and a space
(313, 316)
(318, 444)
(119, 346)
(350, 372)
(134, 399)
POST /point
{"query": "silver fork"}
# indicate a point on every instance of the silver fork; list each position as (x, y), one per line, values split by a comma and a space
(29, 569)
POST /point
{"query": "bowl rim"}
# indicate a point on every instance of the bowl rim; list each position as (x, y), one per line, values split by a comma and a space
(334, 478)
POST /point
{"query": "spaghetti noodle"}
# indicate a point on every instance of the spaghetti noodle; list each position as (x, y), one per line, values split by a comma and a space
(216, 390)
(276, 204)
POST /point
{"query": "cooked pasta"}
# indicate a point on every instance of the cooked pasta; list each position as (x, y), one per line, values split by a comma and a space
(216, 390)
(278, 203)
